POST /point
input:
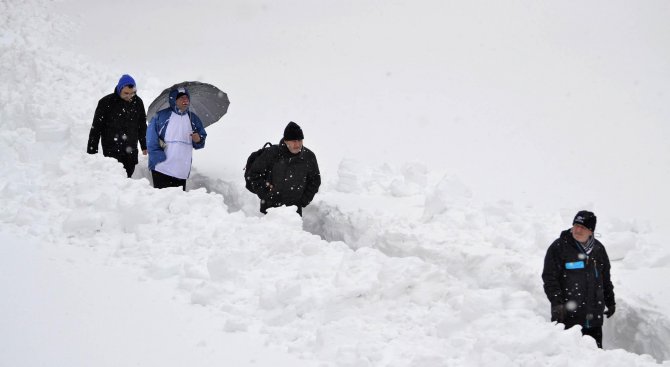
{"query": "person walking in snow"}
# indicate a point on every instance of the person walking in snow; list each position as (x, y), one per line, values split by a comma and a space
(286, 174)
(577, 280)
(172, 135)
(120, 120)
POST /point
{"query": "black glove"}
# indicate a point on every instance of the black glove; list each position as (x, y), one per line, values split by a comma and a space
(558, 313)
(610, 311)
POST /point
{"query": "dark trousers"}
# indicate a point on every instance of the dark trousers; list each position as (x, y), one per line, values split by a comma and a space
(130, 168)
(162, 181)
(128, 162)
(596, 333)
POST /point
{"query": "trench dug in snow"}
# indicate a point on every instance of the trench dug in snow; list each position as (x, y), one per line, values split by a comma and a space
(636, 328)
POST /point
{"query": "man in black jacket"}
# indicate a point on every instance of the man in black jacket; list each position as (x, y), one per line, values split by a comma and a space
(286, 174)
(577, 280)
(120, 120)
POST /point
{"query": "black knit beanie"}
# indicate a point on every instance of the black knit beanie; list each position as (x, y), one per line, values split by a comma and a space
(293, 132)
(587, 219)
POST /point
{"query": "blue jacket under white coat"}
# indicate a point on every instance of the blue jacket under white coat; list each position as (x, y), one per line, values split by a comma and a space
(158, 125)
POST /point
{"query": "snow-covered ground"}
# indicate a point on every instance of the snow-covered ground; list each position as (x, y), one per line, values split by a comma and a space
(66, 306)
(421, 249)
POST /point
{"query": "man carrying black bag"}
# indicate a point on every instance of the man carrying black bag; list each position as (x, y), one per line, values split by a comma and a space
(577, 280)
(285, 174)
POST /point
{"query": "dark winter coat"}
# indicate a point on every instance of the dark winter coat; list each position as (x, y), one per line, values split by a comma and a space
(578, 286)
(295, 178)
(121, 125)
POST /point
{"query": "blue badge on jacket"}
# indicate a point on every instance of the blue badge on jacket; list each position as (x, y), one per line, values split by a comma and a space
(574, 265)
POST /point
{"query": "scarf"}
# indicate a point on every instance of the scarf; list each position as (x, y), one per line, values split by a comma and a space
(588, 246)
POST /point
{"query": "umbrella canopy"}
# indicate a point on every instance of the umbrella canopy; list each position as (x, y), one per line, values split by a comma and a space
(207, 101)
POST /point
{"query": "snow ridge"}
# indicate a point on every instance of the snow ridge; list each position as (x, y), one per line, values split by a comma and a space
(408, 273)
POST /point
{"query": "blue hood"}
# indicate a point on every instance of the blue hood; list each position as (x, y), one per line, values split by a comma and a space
(126, 80)
(172, 99)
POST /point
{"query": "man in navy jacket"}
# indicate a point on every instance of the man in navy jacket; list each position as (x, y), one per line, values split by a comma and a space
(577, 280)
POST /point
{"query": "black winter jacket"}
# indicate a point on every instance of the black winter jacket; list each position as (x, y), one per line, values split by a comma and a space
(295, 178)
(121, 125)
(579, 283)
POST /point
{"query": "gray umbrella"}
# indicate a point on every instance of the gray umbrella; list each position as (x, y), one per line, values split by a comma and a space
(207, 101)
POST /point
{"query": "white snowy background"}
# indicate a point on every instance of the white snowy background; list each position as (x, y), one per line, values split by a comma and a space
(456, 140)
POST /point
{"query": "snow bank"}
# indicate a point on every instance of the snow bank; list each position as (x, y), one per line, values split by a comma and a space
(389, 266)
(64, 306)
(499, 246)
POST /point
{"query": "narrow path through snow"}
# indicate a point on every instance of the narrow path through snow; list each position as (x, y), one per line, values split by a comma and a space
(484, 247)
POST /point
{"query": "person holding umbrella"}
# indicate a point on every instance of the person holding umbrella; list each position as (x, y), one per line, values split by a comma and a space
(172, 135)
(120, 122)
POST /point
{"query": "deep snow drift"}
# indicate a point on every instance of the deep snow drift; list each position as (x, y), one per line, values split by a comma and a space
(394, 264)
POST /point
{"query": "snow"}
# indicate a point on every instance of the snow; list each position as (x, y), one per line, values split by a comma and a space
(53, 316)
(454, 148)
